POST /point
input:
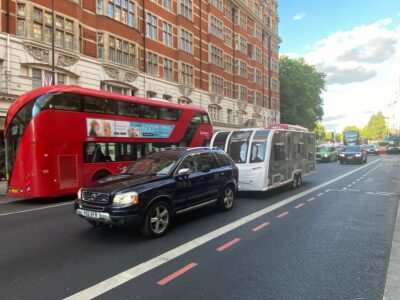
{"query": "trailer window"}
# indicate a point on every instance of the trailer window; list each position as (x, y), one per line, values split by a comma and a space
(279, 151)
(258, 146)
(238, 146)
(220, 140)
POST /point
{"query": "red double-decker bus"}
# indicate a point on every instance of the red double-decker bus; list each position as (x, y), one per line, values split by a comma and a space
(59, 138)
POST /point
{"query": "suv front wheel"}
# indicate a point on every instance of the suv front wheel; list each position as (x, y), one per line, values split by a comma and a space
(227, 199)
(157, 220)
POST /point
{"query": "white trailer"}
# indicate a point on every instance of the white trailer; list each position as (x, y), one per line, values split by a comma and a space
(269, 158)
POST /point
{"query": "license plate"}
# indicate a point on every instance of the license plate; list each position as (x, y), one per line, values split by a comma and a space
(91, 214)
(350, 157)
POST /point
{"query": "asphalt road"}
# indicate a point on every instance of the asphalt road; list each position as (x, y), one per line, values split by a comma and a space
(330, 239)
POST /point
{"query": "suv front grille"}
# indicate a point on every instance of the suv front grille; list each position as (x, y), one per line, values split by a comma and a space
(95, 197)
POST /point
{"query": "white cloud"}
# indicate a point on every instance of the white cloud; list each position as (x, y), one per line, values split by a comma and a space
(362, 72)
(299, 16)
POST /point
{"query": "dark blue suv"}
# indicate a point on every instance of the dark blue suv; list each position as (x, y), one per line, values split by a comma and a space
(158, 186)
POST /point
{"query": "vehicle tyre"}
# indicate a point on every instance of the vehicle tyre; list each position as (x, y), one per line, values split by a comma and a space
(299, 181)
(227, 199)
(99, 175)
(294, 182)
(157, 220)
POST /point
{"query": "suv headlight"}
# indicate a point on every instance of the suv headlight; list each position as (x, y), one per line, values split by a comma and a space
(358, 154)
(341, 154)
(126, 198)
(80, 194)
(325, 155)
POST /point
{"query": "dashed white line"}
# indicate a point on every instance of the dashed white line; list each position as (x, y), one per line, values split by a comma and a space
(34, 209)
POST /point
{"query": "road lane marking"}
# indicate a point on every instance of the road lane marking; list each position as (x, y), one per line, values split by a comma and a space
(285, 213)
(349, 185)
(380, 193)
(132, 273)
(176, 274)
(34, 209)
(311, 199)
(261, 226)
(299, 205)
(228, 244)
(327, 191)
(320, 194)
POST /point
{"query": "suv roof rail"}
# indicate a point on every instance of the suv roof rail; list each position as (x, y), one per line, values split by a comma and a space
(203, 148)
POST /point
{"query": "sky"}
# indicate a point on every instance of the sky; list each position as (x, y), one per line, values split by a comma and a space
(356, 43)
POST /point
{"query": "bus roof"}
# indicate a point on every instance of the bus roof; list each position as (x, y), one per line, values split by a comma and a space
(25, 98)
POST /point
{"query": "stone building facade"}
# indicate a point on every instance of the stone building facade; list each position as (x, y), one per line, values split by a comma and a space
(218, 54)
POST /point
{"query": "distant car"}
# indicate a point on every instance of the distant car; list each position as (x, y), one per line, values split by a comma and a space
(156, 187)
(326, 153)
(371, 149)
(353, 154)
(393, 150)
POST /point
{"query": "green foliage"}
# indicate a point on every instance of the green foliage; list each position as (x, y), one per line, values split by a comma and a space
(352, 127)
(301, 87)
(376, 128)
(319, 131)
(338, 136)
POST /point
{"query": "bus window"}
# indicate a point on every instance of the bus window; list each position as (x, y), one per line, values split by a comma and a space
(98, 105)
(258, 146)
(205, 119)
(64, 101)
(127, 109)
(220, 140)
(197, 119)
(238, 146)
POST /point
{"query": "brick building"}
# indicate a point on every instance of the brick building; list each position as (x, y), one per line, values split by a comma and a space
(218, 54)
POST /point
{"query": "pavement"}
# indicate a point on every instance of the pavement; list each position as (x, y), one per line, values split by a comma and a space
(330, 239)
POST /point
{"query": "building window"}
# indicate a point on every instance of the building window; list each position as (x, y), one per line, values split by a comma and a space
(240, 43)
(230, 117)
(120, 10)
(186, 9)
(228, 9)
(274, 65)
(184, 101)
(168, 70)
(258, 120)
(21, 25)
(251, 27)
(228, 89)
(217, 56)
(42, 78)
(151, 94)
(119, 51)
(241, 19)
(240, 117)
(257, 76)
(228, 64)
(214, 112)
(42, 29)
(117, 89)
(218, 4)
(257, 98)
(167, 34)
(256, 55)
(241, 92)
(152, 63)
(100, 45)
(258, 32)
(167, 4)
(186, 74)
(274, 85)
(241, 68)
(186, 41)
(217, 85)
(228, 37)
(265, 102)
(216, 27)
(151, 26)
(167, 97)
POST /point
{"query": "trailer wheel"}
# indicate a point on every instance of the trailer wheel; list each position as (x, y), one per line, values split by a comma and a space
(299, 180)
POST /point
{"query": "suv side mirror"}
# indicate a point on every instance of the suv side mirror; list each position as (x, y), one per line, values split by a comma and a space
(205, 168)
(183, 172)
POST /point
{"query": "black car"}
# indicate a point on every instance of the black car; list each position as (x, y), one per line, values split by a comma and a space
(393, 150)
(156, 187)
(371, 149)
(354, 153)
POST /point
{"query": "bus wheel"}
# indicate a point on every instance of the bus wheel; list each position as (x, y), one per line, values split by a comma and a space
(99, 175)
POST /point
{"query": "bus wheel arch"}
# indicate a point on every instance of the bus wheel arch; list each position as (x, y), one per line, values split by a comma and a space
(100, 174)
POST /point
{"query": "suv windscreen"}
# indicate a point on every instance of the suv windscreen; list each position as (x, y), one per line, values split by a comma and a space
(157, 164)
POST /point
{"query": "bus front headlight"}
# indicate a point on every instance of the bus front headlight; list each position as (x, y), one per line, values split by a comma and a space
(126, 198)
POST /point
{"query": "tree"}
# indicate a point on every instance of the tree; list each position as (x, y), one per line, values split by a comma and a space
(301, 87)
(338, 136)
(376, 128)
(352, 127)
(319, 131)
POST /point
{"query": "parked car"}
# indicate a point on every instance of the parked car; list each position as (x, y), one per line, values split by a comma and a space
(354, 153)
(372, 149)
(326, 153)
(393, 150)
(158, 186)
